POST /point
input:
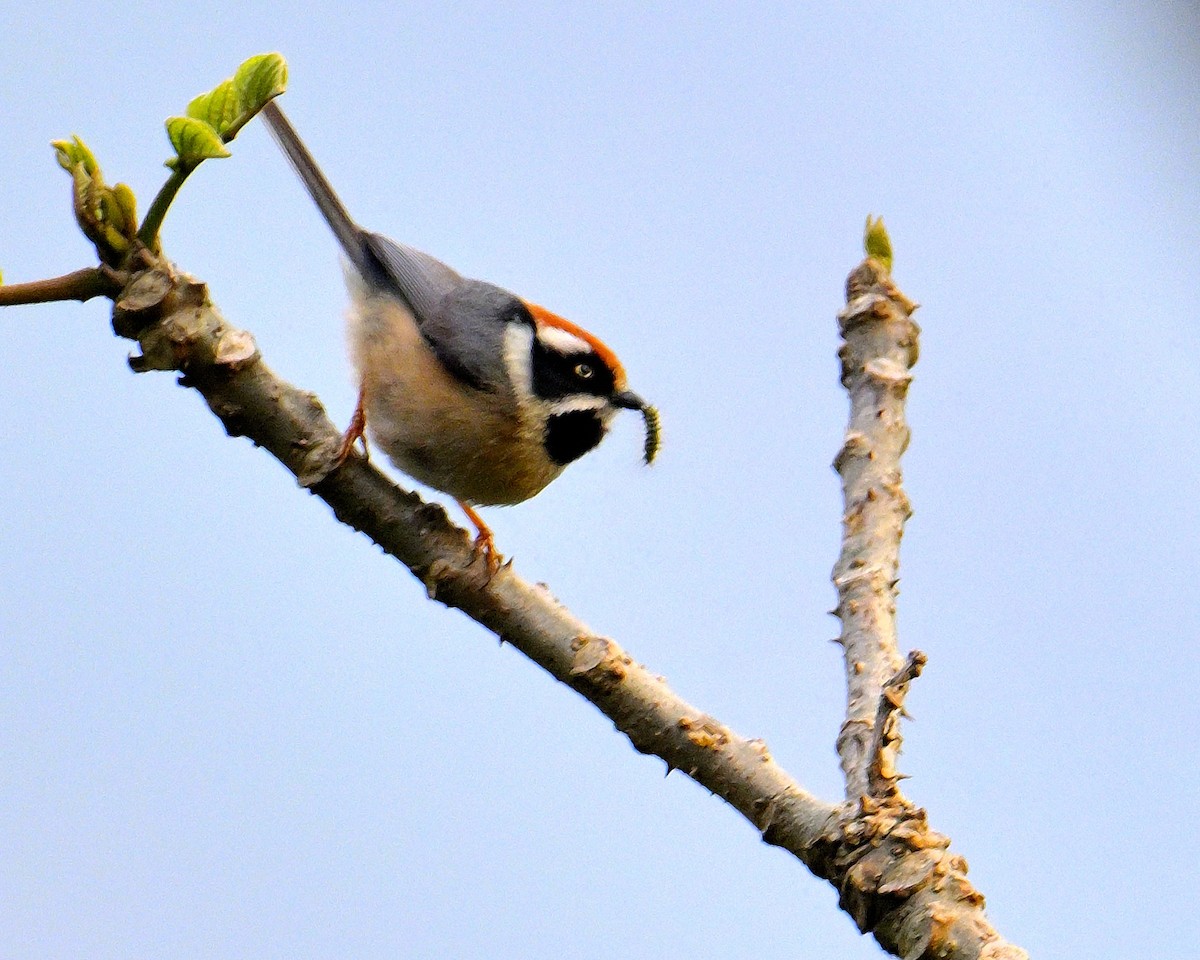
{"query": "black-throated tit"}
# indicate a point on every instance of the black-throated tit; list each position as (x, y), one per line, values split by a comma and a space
(466, 387)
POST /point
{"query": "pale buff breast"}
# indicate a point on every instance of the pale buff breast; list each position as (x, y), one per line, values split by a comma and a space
(441, 432)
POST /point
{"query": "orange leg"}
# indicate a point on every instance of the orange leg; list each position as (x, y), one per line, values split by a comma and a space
(356, 431)
(485, 544)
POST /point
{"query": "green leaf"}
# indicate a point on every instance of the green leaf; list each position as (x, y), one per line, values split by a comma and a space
(194, 141)
(113, 239)
(212, 120)
(219, 108)
(232, 104)
(70, 153)
(118, 216)
(106, 215)
(110, 211)
(87, 210)
(877, 243)
(63, 153)
(126, 200)
(99, 210)
(259, 80)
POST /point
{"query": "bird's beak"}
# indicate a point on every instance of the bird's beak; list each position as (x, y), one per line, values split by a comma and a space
(628, 400)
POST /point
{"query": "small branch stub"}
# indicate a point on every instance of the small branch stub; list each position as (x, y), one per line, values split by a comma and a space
(886, 740)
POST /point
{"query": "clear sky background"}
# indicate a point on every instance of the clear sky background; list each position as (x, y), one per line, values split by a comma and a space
(230, 728)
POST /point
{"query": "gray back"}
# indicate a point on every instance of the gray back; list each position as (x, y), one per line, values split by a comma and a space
(463, 321)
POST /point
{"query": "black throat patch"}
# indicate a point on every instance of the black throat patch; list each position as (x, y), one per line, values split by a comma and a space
(570, 435)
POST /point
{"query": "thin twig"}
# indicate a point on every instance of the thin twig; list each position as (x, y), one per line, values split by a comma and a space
(148, 232)
(80, 285)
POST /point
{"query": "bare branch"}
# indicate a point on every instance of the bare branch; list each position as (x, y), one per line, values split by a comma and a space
(80, 285)
(879, 350)
(896, 877)
(179, 329)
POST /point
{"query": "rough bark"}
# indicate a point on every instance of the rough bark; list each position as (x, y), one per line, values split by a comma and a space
(897, 877)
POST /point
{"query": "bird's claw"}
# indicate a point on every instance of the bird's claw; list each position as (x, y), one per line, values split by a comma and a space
(484, 548)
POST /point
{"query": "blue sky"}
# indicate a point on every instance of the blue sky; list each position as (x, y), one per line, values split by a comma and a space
(231, 728)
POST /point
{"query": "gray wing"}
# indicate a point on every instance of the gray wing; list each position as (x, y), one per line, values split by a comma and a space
(422, 281)
(463, 321)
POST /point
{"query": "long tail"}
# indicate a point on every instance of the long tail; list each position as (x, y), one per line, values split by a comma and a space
(348, 233)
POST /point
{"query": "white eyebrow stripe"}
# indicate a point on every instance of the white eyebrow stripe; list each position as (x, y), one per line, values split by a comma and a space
(561, 341)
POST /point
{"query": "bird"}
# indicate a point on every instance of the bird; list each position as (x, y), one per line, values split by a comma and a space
(466, 387)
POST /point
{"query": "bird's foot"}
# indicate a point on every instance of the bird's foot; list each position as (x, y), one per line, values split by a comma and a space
(356, 432)
(484, 547)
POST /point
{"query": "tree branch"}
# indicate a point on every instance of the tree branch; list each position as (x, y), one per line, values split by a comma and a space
(896, 877)
(178, 328)
(80, 285)
(879, 350)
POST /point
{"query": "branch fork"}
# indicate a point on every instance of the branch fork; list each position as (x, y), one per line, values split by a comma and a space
(896, 877)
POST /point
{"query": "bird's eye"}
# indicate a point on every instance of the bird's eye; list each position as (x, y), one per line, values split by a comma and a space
(584, 371)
